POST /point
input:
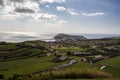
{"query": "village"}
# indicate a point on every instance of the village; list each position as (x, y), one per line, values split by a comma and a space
(90, 55)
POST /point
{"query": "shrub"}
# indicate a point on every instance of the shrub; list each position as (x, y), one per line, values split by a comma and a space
(16, 77)
(1, 76)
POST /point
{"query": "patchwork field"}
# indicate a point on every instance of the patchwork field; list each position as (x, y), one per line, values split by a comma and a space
(39, 60)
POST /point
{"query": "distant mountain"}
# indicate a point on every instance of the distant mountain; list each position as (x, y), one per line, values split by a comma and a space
(67, 37)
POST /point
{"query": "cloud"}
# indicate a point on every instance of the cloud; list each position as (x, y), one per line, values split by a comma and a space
(18, 0)
(43, 16)
(41, 1)
(12, 9)
(52, 1)
(93, 14)
(24, 10)
(72, 11)
(61, 8)
(1, 2)
(47, 6)
(62, 21)
(68, 10)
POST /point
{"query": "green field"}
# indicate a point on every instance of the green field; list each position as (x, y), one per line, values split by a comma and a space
(72, 49)
(31, 57)
(14, 51)
(26, 66)
(113, 66)
(79, 65)
(77, 71)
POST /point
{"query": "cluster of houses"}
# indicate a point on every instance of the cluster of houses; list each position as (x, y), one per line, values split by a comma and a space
(61, 58)
(71, 62)
(82, 54)
(92, 59)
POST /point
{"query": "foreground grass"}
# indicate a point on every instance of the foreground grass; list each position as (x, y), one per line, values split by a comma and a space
(74, 73)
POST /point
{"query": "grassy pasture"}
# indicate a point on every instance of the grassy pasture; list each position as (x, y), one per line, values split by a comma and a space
(72, 49)
(113, 65)
(26, 66)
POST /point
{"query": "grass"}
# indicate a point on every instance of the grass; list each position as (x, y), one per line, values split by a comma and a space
(8, 46)
(22, 50)
(78, 65)
(74, 73)
(113, 62)
(26, 66)
(20, 53)
(72, 49)
(113, 66)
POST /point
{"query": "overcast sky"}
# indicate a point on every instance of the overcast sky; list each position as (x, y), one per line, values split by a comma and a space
(60, 16)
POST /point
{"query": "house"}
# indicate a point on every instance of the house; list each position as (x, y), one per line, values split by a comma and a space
(83, 59)
(94, 59)
(59, 59)
(72, 62)
(62, 58)
(82, 53)
(94, 46)
(97, 58)
(49, 54)
(106, 57)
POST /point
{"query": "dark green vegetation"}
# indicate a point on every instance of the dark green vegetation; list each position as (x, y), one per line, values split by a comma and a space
(68, 59)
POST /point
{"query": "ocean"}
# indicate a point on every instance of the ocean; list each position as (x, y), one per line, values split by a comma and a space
(21, 36)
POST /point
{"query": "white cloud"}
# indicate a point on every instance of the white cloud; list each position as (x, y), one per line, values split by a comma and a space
(72, 11)
(46, 16)
(51, 1)
(93, 14)
(62, 21)
(68, 10)
(47, 6)
(12, 9)
(61, 8)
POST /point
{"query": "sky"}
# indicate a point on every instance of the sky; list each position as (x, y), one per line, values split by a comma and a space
(60, 16)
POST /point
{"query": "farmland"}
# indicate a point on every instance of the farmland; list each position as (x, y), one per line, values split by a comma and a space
(32, 60)
(26, 66)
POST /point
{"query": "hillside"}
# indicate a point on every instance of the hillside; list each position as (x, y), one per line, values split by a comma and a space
(67, 37)
(9, 51)
(31, 58)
